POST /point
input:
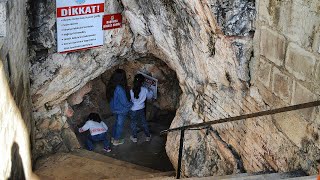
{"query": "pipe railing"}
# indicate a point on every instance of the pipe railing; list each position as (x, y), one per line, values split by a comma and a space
(182, 129)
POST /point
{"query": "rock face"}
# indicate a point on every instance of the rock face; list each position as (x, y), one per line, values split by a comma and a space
(230, 57)
(16, 123)
(235, 18)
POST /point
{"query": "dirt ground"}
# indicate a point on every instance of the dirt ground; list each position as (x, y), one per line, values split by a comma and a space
(149, 154)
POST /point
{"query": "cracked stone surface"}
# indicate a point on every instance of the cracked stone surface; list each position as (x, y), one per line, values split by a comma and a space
(214, 49)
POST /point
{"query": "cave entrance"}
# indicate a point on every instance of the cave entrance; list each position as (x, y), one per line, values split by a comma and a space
(159, 113)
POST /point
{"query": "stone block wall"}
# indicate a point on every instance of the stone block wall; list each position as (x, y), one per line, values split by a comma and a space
(287, 42)
(283, 72)
(15, 115)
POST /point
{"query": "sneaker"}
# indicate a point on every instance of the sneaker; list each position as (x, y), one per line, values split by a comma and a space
(118, 142)
(107, 149)
(148, 138)
(133, 139)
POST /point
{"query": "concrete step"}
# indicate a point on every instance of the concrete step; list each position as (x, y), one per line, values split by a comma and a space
(149, 176)
(275, 176)
(109, 160)
(82, 164)
(245, 176)
(231, 176)
(204, 178)
(69, 166)
(304, 178)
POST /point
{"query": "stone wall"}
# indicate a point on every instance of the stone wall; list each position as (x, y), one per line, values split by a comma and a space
(16, 124)
(230, 57)
(287, 63)
(283, 72)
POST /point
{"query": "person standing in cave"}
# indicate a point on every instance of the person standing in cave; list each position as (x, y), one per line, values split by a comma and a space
(119, 103)
(98, 131)
(138, 95)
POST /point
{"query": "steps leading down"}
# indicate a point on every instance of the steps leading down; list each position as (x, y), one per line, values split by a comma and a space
(82, 164)
(245, 176)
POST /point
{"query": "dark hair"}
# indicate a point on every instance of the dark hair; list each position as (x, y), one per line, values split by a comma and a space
(94, 117)
(118, 77)
(137, 83)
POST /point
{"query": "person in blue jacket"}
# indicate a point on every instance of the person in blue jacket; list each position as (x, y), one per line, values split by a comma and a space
(119, 103)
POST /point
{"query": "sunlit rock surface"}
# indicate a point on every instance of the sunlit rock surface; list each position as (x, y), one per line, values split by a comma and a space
(230, 57)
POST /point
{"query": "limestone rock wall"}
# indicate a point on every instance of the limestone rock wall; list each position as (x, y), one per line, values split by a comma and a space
(283, 72)
(16, 123)
(230, 57)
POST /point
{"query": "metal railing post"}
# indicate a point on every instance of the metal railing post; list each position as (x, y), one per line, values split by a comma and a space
(180, 153)
(232, 119)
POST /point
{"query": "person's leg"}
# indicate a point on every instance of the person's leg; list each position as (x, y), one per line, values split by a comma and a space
(106, 143)
(118, 129)
(89, 143)
(133, 124)
(119, 125)
(114, 126)
(103, 137)
(144, 124)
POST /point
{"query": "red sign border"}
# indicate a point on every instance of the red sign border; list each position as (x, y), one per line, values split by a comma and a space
(59, 9)
(81, 49)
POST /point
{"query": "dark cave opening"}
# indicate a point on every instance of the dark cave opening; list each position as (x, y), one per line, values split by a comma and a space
(159, 113)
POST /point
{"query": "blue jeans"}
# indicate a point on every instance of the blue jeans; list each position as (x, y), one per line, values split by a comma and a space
(95, 138)
(135, 117)
(118, 125)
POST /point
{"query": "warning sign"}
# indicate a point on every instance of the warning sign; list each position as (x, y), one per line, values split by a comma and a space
(112, 21)
(79, 24)
(150, 83)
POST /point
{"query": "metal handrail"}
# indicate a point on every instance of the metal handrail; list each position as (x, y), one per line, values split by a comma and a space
(232, 119)
(246, 116)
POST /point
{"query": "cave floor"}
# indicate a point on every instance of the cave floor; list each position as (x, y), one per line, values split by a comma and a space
(148, 154)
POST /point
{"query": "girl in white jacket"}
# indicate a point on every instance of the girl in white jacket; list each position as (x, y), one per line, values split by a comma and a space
(98, 131)
(139, 94)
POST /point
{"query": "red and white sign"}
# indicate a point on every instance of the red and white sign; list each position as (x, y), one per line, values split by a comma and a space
(111, 21)
(79, 24)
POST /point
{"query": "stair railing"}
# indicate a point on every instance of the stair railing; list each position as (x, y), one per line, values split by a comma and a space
(182, 129)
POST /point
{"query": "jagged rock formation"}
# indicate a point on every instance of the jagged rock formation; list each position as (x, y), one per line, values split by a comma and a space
(230, 57)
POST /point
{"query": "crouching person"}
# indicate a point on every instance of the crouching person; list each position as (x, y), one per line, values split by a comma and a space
(98, 131)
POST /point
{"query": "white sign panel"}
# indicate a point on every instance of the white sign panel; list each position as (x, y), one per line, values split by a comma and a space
(150, 83)
(79, 24)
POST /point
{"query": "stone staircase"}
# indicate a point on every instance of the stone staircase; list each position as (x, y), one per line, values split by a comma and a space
(82, 164)
(245, 176)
